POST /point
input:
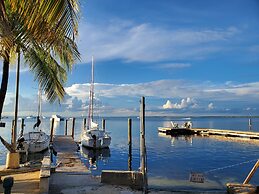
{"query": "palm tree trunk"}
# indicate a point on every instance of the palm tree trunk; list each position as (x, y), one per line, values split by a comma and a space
(4, 84)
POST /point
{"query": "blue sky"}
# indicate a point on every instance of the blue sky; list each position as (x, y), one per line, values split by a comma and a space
(187, 57)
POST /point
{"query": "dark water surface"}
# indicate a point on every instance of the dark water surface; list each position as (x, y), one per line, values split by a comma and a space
(170, 159)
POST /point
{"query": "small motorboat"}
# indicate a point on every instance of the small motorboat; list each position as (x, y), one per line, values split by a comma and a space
(177, 129)
(186, 125)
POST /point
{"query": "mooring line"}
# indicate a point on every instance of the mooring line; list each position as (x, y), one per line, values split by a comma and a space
(229, 166)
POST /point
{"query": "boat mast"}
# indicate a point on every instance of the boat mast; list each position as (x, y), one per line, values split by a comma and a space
(39, 102)
(92, 90)
(91, 98)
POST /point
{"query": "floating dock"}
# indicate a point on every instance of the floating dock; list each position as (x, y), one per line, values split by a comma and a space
(207, 132)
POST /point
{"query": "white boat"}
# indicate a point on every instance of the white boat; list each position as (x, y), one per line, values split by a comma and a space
(57, 118)
(92, 136)
(95, 138)
(186, 125)
(34, 141)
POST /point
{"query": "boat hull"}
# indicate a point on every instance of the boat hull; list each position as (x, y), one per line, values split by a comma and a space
(95, 139)
(33, 142)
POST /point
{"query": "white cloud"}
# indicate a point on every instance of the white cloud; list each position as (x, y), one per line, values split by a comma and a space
(185, 103)
(168, 105)
(169, 89)
(145, 42)
(251, 89)
(118, 95)
(174, 65)
(210, 106)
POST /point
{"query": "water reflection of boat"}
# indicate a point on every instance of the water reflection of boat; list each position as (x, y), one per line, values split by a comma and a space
(187, 139)
(94, 155)
(32, 157)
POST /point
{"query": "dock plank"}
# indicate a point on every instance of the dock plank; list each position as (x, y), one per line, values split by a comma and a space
(70, 171)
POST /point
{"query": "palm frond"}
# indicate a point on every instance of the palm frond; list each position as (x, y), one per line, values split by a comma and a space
(50, 75)
(45, 31)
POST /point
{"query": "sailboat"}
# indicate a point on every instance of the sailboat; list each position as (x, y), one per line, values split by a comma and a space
(34, 141)
(92, 136)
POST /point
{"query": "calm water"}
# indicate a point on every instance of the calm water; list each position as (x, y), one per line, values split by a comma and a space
(170, 160)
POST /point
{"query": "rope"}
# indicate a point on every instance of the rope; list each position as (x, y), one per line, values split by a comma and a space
(229, 166)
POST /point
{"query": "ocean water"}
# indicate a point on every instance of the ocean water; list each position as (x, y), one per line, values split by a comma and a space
(170, 160)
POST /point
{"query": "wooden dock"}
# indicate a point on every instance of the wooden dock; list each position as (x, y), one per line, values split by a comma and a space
(70, 172)
(208, 132)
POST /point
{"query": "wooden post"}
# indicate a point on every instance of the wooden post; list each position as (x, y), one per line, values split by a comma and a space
(143, 157)
(12, 135)
(52, 130)
(248, 178)
(22, 124)
(73, 127)
(22, 127)
(103, 124)
(66, 128)
(84, 124)
(130, 145)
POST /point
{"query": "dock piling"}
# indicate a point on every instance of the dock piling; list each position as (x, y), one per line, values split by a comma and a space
(22, 127)
(51, 130)
(143, 157)
(73, 127)
(22, 124)
(66, 128)
(84, 124)
(103, 124)
(130, 145)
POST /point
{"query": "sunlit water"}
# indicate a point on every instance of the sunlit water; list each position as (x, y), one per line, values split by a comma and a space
(170, 160)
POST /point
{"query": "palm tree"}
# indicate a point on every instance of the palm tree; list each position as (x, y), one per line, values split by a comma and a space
(43, 31)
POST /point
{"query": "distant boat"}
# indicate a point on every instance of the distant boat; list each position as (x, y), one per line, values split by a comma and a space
(93, 136)
(186, 125)
(34, 141)
(57, 118)
(30, 117)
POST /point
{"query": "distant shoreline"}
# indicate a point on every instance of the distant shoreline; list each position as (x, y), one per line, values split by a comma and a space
(147, 116)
